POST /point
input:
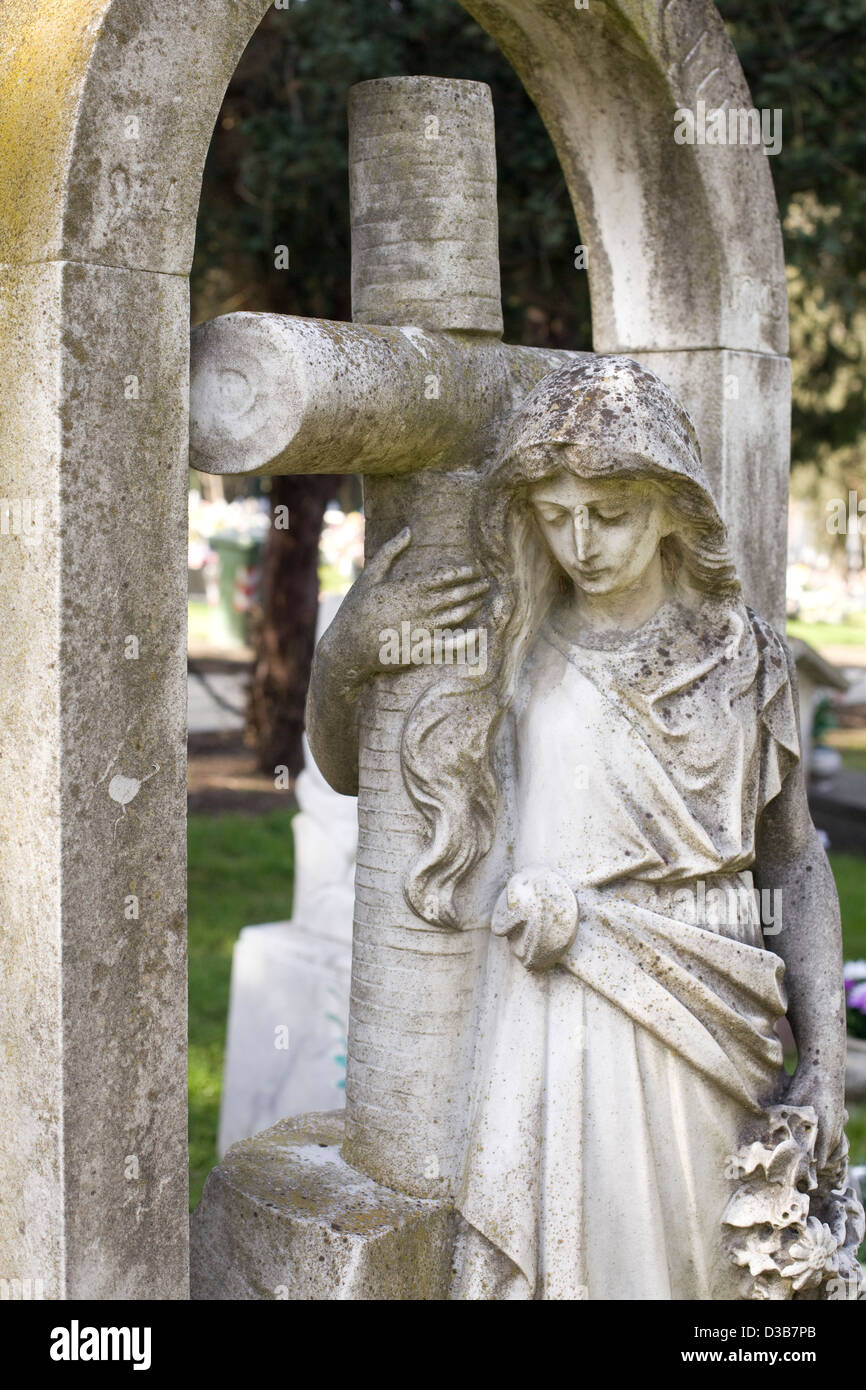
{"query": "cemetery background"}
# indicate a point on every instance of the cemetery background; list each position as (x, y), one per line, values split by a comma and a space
(277, 174)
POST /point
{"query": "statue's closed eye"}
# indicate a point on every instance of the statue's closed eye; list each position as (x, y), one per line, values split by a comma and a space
(560, 515)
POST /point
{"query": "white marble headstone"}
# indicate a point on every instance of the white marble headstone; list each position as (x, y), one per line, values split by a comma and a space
(289, 1004)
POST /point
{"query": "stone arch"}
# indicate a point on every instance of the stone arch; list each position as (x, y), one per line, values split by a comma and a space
(106, 111)
(673, 264)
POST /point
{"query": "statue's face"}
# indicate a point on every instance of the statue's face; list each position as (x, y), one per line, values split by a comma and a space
(604, 534)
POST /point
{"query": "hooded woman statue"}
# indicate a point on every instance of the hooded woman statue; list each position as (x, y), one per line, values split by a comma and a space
(621, 792)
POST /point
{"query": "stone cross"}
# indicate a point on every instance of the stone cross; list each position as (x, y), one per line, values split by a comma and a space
(413, 395)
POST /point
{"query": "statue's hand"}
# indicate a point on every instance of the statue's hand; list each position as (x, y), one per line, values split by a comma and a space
(537, 911)
(373, 613)
(826, 1095)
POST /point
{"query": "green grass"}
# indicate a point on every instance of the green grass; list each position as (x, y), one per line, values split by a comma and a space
(851, 633)
(856, 1131)
(849, 871)
(199, 621)
(240, 872)
(331, 581)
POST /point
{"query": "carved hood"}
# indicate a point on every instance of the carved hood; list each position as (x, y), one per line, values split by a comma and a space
(624, 419)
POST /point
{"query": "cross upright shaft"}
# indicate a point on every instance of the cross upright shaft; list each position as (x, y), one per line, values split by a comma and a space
(413, 395)
(422, 180)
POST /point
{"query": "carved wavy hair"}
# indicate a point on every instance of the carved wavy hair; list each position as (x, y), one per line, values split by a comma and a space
(450, 732)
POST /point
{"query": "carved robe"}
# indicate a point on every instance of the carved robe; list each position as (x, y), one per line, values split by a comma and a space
(610, 1091)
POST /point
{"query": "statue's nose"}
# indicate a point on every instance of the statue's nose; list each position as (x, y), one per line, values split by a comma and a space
(584, 541)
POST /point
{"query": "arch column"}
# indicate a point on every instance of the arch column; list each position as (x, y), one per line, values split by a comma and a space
(106, 113)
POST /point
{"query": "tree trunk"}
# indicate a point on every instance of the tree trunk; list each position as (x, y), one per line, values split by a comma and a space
(285, 630)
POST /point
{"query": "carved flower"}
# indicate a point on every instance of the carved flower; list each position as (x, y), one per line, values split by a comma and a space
(754, 1204)
(758, 1249)
(785, 1249)
(812, 1255)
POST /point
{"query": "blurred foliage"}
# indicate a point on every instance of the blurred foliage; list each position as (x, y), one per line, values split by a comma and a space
(823, 719)
(277, 175)
(808, 58)
(277, 169)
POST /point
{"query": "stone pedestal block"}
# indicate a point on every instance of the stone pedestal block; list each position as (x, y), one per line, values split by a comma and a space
(284, 1217)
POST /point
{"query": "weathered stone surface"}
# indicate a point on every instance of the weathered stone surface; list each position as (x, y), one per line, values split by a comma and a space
(31, 1082)
(305, 395)
(741, 405)
(635, 737)
(284, 1217)
(422, 175)
(92, 784)
(619, 798)
(127, 92)
(106, 109)
(672, 259)
(274, 394)
(670, 265)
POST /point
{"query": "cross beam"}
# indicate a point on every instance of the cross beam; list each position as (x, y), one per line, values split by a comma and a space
(272, 394)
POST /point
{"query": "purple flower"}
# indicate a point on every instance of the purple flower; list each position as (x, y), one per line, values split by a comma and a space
(857, 997)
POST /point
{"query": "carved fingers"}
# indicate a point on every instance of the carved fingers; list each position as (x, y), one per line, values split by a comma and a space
(825, 1094)
(447, 579)
(404, 621)
(459, 590)
(459, 604)
(537, 910)
(432, 603)
(378, 566)
(452, 596)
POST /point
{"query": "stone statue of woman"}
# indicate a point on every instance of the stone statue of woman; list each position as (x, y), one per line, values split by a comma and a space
(619, 794)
